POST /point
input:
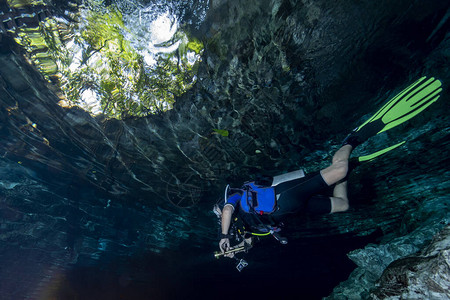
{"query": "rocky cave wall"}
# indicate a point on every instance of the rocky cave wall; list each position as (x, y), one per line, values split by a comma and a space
(287, 80)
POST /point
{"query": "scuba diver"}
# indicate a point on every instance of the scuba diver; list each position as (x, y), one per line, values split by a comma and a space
(257, 208)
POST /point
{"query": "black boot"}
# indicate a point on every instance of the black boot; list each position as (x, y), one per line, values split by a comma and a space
(357, 137)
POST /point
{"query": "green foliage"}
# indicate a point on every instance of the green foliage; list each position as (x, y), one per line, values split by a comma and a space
(196, 46)
(92, 57)
(21, 3)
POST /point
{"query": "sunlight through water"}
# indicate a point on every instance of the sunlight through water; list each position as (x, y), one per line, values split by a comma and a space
(160, 30)
(120, 62)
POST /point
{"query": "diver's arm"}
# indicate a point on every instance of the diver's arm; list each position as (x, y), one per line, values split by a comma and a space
(227, 212)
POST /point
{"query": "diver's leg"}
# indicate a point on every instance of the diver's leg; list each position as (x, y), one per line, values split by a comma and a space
(294, 194)
(339, 167)
(339, 201)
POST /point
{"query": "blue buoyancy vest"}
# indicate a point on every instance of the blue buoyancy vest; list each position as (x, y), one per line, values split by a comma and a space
(257, 199)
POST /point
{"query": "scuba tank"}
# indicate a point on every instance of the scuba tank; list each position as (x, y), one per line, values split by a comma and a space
(288, 177)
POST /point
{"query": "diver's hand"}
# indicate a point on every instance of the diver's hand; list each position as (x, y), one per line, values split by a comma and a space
(224, 245)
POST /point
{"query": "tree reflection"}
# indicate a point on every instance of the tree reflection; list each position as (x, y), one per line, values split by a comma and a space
(97, 68)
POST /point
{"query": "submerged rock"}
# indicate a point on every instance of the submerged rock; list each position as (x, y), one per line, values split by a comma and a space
(413, 266)
(425, 275)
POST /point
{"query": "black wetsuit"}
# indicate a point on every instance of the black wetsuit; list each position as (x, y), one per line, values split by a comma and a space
(303, 194)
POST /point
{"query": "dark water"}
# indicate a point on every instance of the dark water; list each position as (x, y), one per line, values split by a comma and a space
(307, 269)
(92, 216)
